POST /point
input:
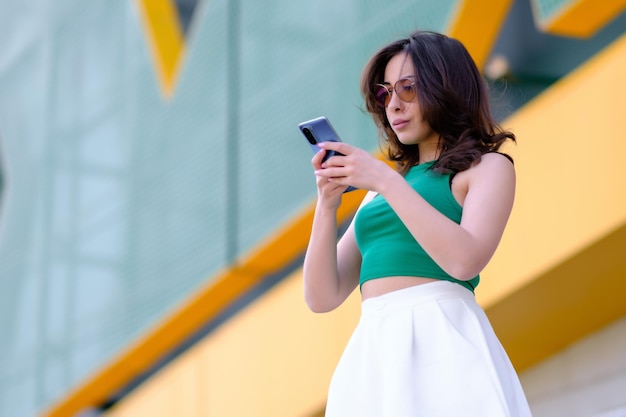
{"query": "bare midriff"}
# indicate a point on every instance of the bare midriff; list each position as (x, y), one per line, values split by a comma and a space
(381, 286)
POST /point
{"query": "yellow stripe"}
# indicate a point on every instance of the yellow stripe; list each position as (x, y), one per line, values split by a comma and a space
(582, 18)
(477, 23)
(165, 37)
(565, 304)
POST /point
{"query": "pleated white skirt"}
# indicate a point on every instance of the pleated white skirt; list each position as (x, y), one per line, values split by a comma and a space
(425, 351)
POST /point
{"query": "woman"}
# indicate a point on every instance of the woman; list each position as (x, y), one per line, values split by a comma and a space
(418, 242)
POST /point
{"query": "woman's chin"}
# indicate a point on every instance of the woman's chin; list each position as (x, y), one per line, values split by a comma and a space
(407, 141)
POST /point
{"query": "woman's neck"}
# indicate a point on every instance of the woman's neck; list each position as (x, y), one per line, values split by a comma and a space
(429, 150)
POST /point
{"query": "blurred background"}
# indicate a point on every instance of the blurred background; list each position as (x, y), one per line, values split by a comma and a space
(156, 198)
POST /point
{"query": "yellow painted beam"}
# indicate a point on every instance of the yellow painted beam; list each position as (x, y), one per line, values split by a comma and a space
(476, 23)
(581, 18)
(165, 39)
(565, 304)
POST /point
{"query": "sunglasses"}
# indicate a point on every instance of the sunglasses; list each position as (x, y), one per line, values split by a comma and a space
(405, 90)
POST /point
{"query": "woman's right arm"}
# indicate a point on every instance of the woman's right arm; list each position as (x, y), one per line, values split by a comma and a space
(331, 270)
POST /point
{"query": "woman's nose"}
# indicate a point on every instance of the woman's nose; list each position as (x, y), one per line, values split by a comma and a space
(394, 100)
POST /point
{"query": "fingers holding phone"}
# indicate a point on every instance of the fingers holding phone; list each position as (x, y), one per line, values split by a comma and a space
(318, 131)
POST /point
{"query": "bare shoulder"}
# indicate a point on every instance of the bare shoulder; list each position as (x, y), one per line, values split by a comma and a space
(493, 173)
(496, 158)
(494, 164)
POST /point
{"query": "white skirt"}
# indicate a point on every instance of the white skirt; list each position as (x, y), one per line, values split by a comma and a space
(425, 351)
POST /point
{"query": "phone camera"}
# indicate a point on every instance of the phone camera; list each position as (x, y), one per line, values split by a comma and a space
(309, 136)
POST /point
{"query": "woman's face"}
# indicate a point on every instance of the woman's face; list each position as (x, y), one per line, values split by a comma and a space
(405, 117)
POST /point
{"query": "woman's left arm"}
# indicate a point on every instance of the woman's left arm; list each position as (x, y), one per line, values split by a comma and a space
(462, 250)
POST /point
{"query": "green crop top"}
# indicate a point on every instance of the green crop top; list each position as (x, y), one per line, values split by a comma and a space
(388, 248)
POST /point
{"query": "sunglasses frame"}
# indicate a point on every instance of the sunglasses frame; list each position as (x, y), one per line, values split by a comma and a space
(391, 88)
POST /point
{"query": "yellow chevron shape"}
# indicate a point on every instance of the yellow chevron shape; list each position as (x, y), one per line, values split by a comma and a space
(488, 15)
(165, 39)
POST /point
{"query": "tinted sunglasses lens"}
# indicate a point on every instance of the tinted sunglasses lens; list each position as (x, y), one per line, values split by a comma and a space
(405, 89)
(382, 95)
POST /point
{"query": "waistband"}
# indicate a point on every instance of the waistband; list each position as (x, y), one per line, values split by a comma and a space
(417, 294)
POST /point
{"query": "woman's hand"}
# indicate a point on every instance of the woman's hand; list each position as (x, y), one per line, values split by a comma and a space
(329, 193)
(355, 167)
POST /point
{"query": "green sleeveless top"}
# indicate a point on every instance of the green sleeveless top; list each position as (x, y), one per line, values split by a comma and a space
(388, 248)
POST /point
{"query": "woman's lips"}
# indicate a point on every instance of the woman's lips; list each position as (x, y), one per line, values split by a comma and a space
(399, 124)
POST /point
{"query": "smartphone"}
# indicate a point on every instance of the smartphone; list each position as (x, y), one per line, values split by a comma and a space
(320, 130)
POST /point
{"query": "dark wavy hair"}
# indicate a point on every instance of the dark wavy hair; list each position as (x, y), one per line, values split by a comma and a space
(453, 98)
